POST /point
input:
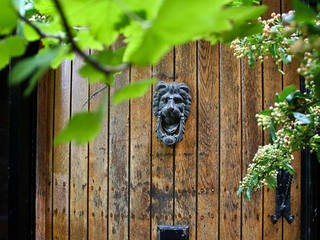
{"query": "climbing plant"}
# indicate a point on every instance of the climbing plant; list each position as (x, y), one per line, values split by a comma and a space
(294, 120)
(150, 28)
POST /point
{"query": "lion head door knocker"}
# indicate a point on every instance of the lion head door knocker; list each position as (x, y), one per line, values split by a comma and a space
(171, 105)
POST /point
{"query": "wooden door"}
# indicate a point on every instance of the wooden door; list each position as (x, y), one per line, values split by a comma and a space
(126, 182)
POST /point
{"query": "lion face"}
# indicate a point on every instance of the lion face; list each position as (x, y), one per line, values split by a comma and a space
(171, 104)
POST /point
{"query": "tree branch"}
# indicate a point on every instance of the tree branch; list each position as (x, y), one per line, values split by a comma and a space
(94, 94)
(38, 30)
(104, 69)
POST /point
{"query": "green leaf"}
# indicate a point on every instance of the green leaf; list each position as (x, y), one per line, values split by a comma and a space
(83, 13)
(245, 13)
(266, 112)
(303, 13)
(240, 190)
(30, 34)
(133, 90)
(272, 181)
(301, 117)
(289, 168)
(272, 132)
(181, 21)
(85, 40)
(106, 57)
(34, 79)
(277, 98)
(12, 46)
(289, 89)
(241, 30)
(45, 7)
(8, 17)
(247, 194)
(4, 57)
(26, 67)
(294, 95)
(64, 53)
(83, 127)
(251, 59)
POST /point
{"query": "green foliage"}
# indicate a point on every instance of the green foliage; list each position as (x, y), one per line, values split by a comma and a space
(286, 91)
(245, 2)
(294, 120)
(303, 12)
(35, 65)
(273, 41)
(8, 17)
(294, 124)
(147, 28)
(10, 47)
(107, 58)
(194, 20)
(133, 90)
(84, 126)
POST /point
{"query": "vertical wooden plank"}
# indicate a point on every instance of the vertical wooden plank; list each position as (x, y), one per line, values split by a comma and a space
(118, 158)
(230, 148)
(98, 174)
(208, 152)
(162, 162)
(79, 160)
(44, 157)
(140, 160)
(61, 153)
(252, 137)
(293, 230)
(272, 83)
(185, 151)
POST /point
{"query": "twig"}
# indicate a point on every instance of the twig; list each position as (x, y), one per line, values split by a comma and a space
(94, 94)
(104, 69)
(38, 30)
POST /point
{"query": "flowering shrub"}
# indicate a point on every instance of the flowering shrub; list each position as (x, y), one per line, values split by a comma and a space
(272, 41)
(294, 120)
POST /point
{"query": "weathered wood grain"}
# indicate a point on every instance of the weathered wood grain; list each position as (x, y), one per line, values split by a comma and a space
(230, 148)
(208, 134)
(140, 160)
(79, 160)
(162, 161)
(186, 150)
(44, 157)
(118, 159)
(127, 154)
(252, 137)
(61, 153)
(272, 83)
(98, 173)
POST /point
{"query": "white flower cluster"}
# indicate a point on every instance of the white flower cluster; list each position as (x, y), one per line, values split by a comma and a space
(265, 164)
(279, 114)
(314, 143)
(308, 68)
(272, 41)
(315, 112)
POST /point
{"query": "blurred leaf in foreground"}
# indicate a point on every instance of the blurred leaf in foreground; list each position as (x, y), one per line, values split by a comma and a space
(10, 47)
(83, 126)
(133, 90)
